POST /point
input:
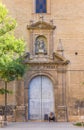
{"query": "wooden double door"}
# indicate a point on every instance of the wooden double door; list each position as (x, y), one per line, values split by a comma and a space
(40, 97)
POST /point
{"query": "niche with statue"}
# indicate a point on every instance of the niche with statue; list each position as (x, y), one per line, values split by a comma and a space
(40, 45)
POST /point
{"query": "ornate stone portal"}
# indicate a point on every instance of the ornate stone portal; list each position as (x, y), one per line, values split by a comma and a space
(45, 81)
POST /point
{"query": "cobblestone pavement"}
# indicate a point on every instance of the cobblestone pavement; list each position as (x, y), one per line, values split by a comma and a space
(41, 126)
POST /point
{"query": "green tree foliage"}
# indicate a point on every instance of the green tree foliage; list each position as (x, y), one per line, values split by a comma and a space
(11, 53)
(4, 91)
(11, 49)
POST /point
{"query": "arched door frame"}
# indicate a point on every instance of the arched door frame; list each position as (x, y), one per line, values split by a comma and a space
(54, 82)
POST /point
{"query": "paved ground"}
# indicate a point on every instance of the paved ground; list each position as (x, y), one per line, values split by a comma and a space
(41, 126)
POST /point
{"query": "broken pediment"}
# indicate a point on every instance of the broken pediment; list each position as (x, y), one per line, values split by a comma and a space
(41, 25)
(56, 59)
(60, 59)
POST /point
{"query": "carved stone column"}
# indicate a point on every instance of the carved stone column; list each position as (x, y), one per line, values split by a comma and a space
(62, 106)
(20, 108)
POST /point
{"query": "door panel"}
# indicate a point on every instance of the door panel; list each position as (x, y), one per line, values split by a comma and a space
(41, 99)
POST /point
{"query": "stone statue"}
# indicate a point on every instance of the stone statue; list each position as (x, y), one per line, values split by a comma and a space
(40, 47)
(37, 46)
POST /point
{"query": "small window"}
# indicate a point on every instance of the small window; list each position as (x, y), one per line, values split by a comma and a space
(41, 6)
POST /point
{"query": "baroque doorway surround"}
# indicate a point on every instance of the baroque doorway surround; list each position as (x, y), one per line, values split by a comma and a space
(45, 67)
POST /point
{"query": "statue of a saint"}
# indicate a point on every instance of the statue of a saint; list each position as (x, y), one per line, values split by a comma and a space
(40, 46)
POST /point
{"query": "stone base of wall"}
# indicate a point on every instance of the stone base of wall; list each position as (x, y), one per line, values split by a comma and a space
(74, 118)
(20, 117)
(20, 114)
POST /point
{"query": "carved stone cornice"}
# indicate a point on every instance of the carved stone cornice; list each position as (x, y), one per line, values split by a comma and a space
(56, 58)
(41, 25)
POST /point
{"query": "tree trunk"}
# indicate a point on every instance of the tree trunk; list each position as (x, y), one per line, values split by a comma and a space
(5, 114)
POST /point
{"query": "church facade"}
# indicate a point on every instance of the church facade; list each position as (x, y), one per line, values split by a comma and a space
(53, 31)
